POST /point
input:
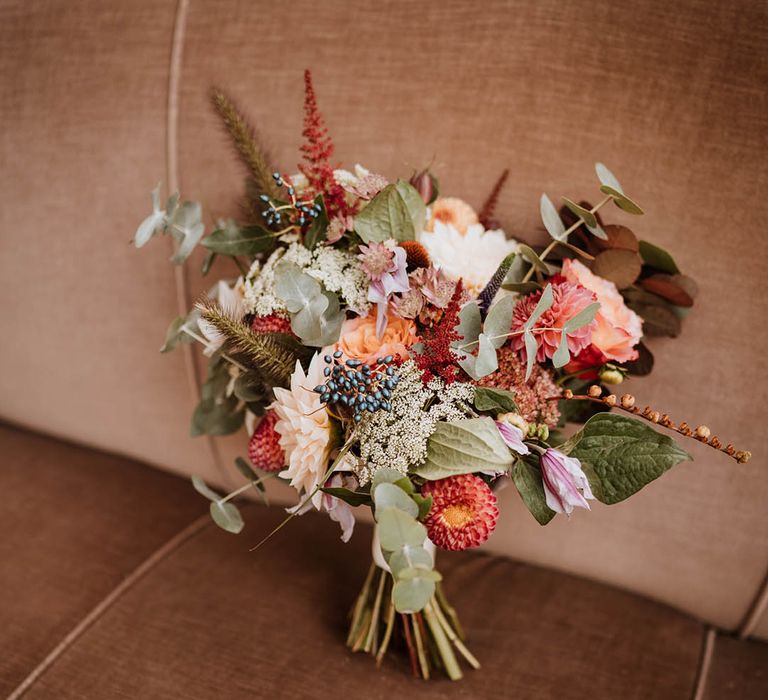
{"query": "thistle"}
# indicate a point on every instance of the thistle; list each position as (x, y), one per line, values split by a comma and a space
(491, 289)
(246, 143)
(263, 351)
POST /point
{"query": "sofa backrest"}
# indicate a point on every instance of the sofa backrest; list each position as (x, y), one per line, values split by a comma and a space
(101, 100)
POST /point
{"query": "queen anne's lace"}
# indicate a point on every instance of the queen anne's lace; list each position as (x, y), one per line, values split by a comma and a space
(397, 439)
(337, 270)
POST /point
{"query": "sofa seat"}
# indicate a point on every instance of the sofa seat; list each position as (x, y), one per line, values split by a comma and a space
(115, 585)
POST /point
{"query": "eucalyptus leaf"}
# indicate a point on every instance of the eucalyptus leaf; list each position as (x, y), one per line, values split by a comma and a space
(385, 476)
(522, 287)
(530, 486)
(353, 498)
(491, 400)
(412, 595)
(624, 453)
(486, 361)
(204, 490)
(469, 324)
(584, 214)
(398, 529)
(397, 212)
(233, 240)
(658, 258)
(246, 470)
(408, 557)
(187, 226)
(227, 516)
(583, 318)
(499, 320)
(562, 355)
(606, 177)
(531, 348)
(543, 305)
(622, 201)
(530, 255)
(175, 335)
(464, 447)
(391, 496)
(552, 221)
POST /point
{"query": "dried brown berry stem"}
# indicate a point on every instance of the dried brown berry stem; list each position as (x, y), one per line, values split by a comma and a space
(627, 403)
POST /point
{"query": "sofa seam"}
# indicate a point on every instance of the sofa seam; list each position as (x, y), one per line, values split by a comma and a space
(755, 610)
(106, 603)
(705, 663)
(181, 272)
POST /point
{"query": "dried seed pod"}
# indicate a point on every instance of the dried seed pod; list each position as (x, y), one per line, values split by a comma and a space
(610, 400)
(595, 391)
(627, 401)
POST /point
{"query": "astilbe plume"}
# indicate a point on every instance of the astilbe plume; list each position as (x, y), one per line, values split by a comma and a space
(488, 211)
(318, 150)
(438, 358)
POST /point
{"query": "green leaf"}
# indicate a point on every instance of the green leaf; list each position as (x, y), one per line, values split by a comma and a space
(522, 287)
(391, 496)
(531, 348)
(584, 214)
(469, 324)
(606, 177)
(396, 212)
(552, 221)
(583, 318)
(233, 240)
(529, 484)
(353, 498)
(210, 258)
(398, 529)
(175, 335)
(530, 255)
(424, 503)
(413, 594)
(385, 476)
(486, 361)
(562, 355)
(227, 516)
(624, 453)
(186, 224)
(247, 471)
(621, 200)
(249, 387)
(319, 226)
(409, 557)
(658, 258)
(499, 320)
(495, 401)
(543, 305)
(465, 447)
(204, 490)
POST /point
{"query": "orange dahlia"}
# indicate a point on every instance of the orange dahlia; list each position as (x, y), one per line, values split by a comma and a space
(463, 513)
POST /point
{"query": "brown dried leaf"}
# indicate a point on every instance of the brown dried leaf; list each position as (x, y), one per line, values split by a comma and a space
(667, 288)
(620, 266)
(618, 237)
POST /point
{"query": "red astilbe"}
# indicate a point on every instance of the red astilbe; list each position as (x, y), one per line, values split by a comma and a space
(318, 150)
(438, 358)
(487, 215)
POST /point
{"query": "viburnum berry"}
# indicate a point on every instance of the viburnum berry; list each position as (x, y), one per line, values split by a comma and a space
(264, 448)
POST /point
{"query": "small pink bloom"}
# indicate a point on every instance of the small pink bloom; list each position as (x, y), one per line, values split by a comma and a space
(563, 477)
(568, 300)
(513, 437)
(385, 264)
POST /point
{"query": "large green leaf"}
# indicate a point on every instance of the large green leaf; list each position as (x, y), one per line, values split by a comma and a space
(552, 221)
(465, 447)
(399, 529)
(234, 240)
(392, 496)
(396, 212)
(499, 320)
(624, 453)
(491, 400)
(528, 481)
(227, 516)
(412, 594)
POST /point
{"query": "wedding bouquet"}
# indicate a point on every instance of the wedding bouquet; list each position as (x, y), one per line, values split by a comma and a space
(390, 348)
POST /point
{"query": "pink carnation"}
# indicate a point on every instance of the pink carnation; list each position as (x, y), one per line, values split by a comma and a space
(568, 300)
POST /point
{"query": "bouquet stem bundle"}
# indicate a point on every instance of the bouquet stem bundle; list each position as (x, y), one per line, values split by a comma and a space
(429, 635)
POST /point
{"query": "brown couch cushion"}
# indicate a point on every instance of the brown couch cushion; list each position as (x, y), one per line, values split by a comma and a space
(73, 524)
(739, 670)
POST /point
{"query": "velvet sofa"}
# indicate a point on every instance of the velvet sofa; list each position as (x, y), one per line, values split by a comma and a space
(114, 584)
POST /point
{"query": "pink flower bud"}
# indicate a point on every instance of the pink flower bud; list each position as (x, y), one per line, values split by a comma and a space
(425, 184)
(563, 477)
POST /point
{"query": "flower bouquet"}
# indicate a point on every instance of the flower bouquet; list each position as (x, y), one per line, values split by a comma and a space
(390, 348)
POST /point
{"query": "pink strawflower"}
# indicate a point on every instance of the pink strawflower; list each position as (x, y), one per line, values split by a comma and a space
(568, 300)
(273, 323)
(463, 512)
(532, 396)
(385, 265)
(565, 485)
(264, 448)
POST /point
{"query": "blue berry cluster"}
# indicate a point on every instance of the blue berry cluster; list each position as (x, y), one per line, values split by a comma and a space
(360, 387)
(305, 211)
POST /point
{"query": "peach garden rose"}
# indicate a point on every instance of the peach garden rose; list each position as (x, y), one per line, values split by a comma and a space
(359, 340)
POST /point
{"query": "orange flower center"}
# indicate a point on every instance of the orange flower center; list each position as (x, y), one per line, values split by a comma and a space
(458, 515)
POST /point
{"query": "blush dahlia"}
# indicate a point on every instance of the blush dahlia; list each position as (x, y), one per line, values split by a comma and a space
(463, 513)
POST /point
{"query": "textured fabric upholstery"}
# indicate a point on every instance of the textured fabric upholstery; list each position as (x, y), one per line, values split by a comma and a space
(671, 96)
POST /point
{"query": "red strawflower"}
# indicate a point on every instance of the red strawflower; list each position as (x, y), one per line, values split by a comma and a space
(438, 358)
(264, 448)
(463, 512)
(273, 323)
(317, 151)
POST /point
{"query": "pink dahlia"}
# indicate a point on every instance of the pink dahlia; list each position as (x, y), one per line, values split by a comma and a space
(568, 300)
(463, 513)
(264, 447)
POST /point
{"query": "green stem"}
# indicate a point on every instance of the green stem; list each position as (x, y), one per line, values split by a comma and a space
(448, 609)
(374, 628)
(387, 633)
(244, 488)
(466, 653)
(443, 644)
(568, 231)
(422, 656)
(360, 604)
